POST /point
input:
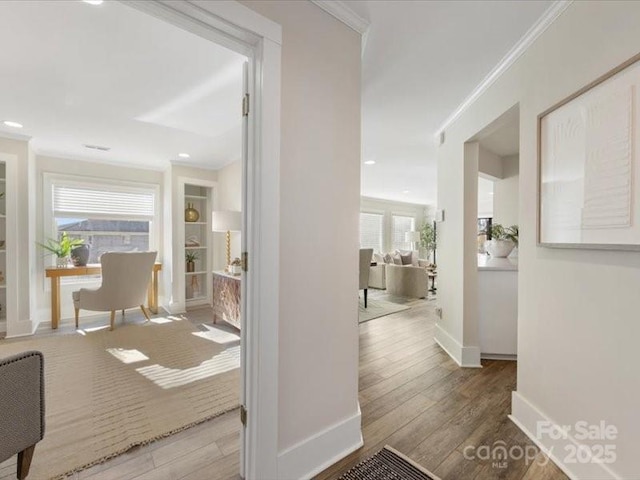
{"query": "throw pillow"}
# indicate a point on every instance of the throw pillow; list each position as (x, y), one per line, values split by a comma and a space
(388, 258)
(397, 259)
(378, 258)
(406, 258)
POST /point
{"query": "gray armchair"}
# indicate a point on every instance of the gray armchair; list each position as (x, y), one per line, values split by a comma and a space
(125, 279)
(21, 408)
(365, 264)
(407, 281)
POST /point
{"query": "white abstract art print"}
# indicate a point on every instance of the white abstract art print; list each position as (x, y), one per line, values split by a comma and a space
(589, 165)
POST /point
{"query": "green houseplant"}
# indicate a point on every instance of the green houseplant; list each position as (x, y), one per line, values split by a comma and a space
(428, 239)
(503, 240)
(61, 248)
(191, 257)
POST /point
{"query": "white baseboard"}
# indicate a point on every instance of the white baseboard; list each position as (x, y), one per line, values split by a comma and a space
(319, 452)
(468, 357)
(21, 329)
(526, 416)
(499, 356)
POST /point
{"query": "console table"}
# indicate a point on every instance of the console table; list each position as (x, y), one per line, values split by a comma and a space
(55, 273)
(226, 298)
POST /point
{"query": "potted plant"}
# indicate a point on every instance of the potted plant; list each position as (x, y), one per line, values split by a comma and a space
(503, 240)
(428, 238)
(62, 248)
(191, 258)
(236, 266)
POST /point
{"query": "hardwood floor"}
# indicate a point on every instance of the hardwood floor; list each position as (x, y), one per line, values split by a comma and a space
(416, 399)
(413, 397)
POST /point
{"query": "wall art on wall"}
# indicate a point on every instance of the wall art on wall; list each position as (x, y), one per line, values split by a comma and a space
(589, 166)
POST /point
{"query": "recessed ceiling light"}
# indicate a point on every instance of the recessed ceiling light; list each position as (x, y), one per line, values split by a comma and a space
(9, 123)
(184, 155)
(93, 2)
(406, 191)
(370, 162)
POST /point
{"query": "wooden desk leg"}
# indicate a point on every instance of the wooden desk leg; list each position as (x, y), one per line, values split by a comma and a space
(152, 293)
(55, 302)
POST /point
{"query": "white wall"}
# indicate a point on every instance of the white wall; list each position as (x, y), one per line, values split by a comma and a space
(578, 309)
(389, 208)
(506, 191)
(24, 319)
(320, 204)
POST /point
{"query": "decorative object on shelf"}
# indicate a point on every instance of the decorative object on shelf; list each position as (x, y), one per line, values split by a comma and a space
(195, 286)
(191, 258)
(192, 241)
(62, 248)
(236, 266)
(503, 240)
(226, 222)
(191, 214)
(80, 255)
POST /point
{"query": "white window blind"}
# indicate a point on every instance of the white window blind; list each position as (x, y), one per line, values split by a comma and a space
(400, 226)
(108, 201)
(371, 231)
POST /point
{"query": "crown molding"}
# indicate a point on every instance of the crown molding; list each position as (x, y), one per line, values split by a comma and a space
(343, 13)
(14, 136)
(548, 17)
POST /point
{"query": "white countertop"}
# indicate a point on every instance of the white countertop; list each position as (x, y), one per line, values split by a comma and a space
(486, 262)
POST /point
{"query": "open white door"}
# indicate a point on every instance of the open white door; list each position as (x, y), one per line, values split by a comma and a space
(243, 284)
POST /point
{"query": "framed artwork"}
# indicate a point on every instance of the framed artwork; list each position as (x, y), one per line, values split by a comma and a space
(589, 166)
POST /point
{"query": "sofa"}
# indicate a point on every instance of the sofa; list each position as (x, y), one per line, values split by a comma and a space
(400, 273)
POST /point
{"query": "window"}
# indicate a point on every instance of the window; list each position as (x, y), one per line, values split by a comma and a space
(400, 226)
(371, 231)
(108, 216)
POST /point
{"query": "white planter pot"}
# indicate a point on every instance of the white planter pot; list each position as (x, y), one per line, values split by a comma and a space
(499, 248)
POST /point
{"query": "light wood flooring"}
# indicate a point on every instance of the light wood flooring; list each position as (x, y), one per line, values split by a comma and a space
(413, 397)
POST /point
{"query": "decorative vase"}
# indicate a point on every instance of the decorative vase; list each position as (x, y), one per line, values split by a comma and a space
(80, 255)
(236, 269)
(191, 267)
(499, 248)
(191, 214)
(62, 262)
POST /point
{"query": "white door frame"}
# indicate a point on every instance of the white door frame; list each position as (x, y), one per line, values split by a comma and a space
(241, 29)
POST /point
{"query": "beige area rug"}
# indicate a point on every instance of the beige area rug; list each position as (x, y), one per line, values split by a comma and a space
(377, 309)
(109, 391)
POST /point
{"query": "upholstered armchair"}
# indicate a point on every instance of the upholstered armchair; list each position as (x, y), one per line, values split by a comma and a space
(365, 263)
(22, 408)
(407, 281)
(125, 279)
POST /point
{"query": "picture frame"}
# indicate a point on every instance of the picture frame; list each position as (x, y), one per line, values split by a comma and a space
(588, 165)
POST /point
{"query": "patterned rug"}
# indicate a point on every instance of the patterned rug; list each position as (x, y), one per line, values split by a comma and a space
(388, 464)
(106, 392)
(377, 309)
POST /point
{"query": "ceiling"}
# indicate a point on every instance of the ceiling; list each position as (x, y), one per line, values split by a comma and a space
(109, 75)
(420, 61)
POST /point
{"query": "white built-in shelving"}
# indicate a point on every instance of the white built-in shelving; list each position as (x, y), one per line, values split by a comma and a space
(198, 284)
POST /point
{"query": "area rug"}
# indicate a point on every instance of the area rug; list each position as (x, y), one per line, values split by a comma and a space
(388, 464)
(377, 309)
(108, 391)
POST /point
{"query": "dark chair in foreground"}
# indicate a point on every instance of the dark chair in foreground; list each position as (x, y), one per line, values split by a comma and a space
(365, 267)
(21, 408)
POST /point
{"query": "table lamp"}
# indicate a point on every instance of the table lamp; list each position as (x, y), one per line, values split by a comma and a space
(226, 222)
(413, 237)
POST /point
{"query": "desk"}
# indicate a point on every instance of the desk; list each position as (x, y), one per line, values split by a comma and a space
(55, 273)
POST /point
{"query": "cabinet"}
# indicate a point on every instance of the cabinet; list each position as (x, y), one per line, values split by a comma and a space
(198, 239)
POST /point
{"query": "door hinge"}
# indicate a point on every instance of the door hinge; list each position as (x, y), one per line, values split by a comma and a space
(245, 261)
(243, 415)
(245, 105)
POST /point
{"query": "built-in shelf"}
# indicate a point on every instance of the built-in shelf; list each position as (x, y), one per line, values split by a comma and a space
(195, 197)
(195, 223)
(3, 286)
(196, 273)
(195, 248)
(3, 251)
(2, 215)
(3, 180)
(197, 299)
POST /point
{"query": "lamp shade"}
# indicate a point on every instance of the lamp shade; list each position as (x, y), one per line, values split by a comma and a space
(226, 221)
(412, 236)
